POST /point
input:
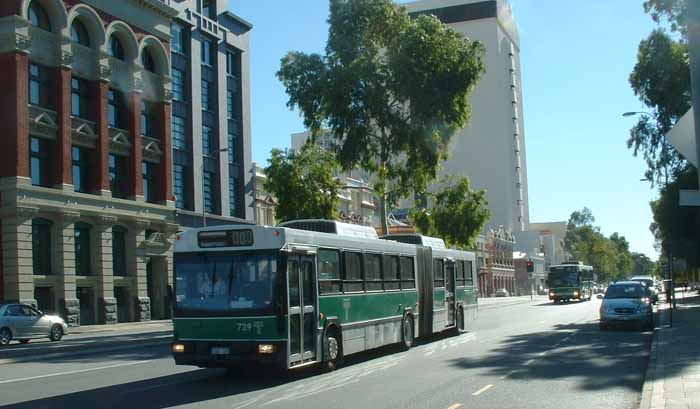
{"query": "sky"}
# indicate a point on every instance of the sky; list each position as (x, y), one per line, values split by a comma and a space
(576, 57)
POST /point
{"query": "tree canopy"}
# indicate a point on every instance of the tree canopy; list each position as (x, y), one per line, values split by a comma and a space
(391, 89)
(304, 183)
(457, 215)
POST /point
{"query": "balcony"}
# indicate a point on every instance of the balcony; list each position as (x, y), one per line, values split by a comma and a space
(119, 141)
(206, 24)
(84, 132)
(151, 149)
(43, 122)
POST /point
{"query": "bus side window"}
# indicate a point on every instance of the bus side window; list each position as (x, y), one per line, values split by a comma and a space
(329, 271)
(439, 273)
(373, 272)
(469, 272)
(459, 265)
(391, 273)
(408, 276)
(352, 280)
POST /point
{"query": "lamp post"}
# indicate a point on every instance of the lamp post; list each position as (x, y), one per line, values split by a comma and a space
(672, 301)
(204, 207)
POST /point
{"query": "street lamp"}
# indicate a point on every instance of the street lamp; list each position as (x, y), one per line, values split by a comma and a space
(204, 207)
(633, 113)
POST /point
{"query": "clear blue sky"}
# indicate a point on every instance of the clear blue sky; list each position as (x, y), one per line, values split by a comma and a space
(576, 57)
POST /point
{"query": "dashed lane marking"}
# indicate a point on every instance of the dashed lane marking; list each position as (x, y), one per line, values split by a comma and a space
(508, 374)
(455, 406)
(482, 390)
(29, 378)
(528, 362)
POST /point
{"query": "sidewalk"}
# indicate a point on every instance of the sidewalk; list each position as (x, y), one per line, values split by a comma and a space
(504, 301)
(673, 376)
(124, 326)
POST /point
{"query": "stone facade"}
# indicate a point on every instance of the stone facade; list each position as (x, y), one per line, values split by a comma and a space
(499, 271)
(66, 224)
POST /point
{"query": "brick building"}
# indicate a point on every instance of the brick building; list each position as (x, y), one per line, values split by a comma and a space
(86, 198)
(499, 270)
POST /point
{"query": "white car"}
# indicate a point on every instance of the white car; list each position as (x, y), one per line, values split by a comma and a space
(502, 293)
(626, 303)
(23, 322)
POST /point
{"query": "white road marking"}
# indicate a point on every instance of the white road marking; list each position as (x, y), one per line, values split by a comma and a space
(455, 406)
(429, 353)
(482, 390)
(528, 362)
(29, 378)
(508, 374)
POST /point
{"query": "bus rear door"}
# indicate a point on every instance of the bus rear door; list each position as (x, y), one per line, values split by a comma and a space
(301, 292)
(450, 292)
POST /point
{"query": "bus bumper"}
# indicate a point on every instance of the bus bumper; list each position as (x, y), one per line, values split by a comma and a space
(218, 354)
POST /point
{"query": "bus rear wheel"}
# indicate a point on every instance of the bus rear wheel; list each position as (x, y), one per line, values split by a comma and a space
(407, 333)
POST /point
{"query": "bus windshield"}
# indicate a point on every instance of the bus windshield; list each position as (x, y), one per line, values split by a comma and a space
(565, 278)
(225, 284)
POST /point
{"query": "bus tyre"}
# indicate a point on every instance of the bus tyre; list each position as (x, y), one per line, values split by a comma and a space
(407, 333)
(332, 350)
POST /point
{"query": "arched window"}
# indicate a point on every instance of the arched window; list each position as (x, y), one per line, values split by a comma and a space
(38, 17)
(79, 33)
(119, 251)
(116, 49)
(82, 249)
(147, 61)
(41, 246)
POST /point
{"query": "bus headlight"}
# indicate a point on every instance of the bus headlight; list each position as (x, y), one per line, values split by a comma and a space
(575, 293)
(178, 348)
(551, 294)
(266, 349)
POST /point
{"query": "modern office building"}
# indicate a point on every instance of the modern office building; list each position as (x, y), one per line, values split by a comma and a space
(86, 203)
(491, 149)
(211, 114)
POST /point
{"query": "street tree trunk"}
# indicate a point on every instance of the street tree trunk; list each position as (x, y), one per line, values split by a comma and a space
(384, 219)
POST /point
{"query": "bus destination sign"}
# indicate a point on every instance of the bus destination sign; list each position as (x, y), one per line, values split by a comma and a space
(225, 238)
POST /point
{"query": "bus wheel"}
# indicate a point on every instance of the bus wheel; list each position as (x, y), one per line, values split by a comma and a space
(333, 350)
(407, 333)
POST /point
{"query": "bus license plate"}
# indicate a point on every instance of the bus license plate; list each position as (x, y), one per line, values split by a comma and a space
(220, 350)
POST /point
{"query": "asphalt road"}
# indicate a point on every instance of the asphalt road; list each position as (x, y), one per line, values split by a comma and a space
(533, 355)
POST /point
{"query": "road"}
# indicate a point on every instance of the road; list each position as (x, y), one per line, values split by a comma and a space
(527, 355)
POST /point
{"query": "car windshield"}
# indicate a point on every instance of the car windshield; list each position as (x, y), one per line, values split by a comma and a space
(625, 291)
(225, 284)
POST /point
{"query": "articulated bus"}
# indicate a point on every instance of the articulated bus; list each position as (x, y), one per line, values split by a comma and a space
(571, 280)
(312, 291)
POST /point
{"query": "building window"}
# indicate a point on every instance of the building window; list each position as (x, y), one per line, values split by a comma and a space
(41, 246)
(179, 130)
(38, 17)
(208, 192)
(82, 249)
(79, 33)
(207, 136)
(116, 49)
(147, 60)
(39, 161)
(208, 9)
(116, 111)
(230, 64)
(231, 146)
(40, 86)
(177, 44)
(229, 104)
(207, 52)
(178, 85)
(80, 98)
(119, 251)
(206, 95)
(232, 194)
(117, 176)
(80, 169)
(148, 119)
(149, 185)
(179, 185)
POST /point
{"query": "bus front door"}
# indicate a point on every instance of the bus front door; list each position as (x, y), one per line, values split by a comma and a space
(301, 292)
(450, 292)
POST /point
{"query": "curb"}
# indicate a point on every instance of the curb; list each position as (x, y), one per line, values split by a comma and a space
(650, 378)
(505, 304)
(82, 352)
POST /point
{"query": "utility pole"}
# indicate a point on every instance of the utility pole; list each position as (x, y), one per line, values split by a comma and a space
(694, 56)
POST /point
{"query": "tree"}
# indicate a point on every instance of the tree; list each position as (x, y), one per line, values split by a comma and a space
(675, 11)
(458, 214)
(624, 263)
(643, 265)
(304, 183)
(391, 89)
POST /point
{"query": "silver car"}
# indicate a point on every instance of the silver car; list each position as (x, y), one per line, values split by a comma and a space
(23, 322)
(627, 302)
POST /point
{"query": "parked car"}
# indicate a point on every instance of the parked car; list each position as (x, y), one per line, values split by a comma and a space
(23, 322)
(627, 302)
(649, 282)
(502, 293)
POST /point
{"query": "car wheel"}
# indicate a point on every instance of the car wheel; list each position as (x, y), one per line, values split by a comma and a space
(56, 333)
(5, 336)
(24, 341)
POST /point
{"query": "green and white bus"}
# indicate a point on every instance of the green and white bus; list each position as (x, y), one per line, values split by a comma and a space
(312, 291)
(571, 280)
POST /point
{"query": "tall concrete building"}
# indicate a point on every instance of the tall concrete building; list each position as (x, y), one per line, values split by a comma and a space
(211, 113)
(86, 203)
(491, 149)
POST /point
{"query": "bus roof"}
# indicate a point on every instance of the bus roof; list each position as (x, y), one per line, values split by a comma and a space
(415, 238)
